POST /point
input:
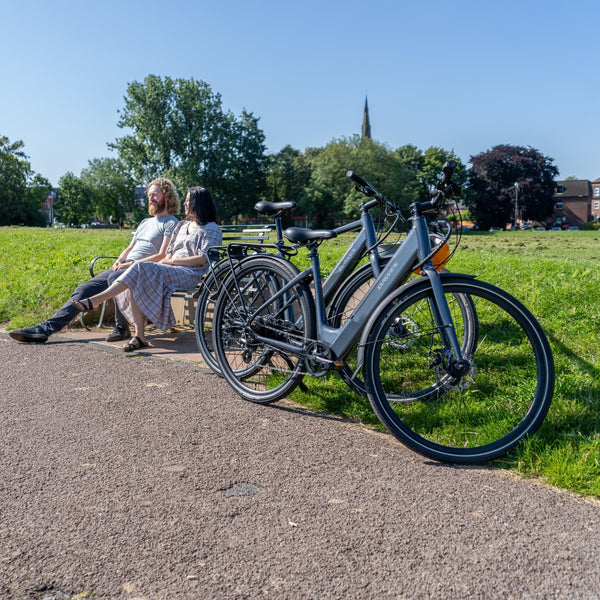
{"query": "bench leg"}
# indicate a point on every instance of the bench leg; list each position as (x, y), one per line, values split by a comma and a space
(101, 319)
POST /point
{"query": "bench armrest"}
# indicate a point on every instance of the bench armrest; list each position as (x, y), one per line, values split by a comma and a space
(97, 258)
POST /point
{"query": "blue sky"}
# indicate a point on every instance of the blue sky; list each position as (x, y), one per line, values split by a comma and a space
(464, 75)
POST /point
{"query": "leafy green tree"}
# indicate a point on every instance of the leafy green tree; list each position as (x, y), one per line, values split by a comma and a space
(18, 205)
(111, 187)
(74, 205)
(243, 180)
(330, 196)
(180, 130)
(492, 178)
(37, 191)
(411, 157)
(288, 173)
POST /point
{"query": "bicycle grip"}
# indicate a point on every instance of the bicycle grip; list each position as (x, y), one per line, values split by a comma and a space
(357, 179)
(448, 170)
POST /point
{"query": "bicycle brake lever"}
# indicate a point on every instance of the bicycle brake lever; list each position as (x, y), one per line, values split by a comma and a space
(452, 189)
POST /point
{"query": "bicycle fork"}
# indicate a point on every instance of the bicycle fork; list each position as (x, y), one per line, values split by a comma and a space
(450, 356)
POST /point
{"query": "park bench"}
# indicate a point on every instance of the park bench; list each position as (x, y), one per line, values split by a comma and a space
(255, 234)
(249, 233)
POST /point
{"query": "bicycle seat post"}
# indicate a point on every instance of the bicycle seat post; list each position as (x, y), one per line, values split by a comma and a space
(279, 231)
(315, 261)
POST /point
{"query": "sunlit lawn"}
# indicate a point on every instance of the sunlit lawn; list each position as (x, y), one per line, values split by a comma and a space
(555, 274)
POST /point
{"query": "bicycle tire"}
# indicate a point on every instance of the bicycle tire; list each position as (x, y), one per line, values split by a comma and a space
(349, 296)
(247, 309)
(504, 396)
(205, 304)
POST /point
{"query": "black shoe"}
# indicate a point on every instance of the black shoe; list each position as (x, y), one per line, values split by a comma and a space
(118, 333)
(32, 335)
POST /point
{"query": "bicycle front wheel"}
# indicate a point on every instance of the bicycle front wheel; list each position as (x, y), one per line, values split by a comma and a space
(260, 334)
(502, 395)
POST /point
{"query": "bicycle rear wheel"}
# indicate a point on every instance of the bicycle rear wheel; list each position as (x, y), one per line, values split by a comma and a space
(252, 324)
(503, 396)
(205, 305)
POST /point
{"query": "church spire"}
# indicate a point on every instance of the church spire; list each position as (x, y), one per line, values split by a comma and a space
(366, 125)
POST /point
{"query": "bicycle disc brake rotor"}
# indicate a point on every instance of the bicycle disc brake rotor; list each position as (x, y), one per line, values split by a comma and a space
(452, 382)
(403, 333)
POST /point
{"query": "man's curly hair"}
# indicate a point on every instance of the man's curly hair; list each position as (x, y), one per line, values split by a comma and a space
(169, 192)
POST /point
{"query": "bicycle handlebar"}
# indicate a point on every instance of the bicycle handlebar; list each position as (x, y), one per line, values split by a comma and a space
(445, 189)
(364, 186)
(368, 190)
(357, 179)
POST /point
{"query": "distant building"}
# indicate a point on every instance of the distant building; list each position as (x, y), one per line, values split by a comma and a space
(596, 199)
(577, 201)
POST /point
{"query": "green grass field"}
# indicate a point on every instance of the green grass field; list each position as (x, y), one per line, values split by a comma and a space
(555, 274)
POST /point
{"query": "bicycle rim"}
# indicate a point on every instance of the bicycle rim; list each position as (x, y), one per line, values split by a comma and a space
(504, 395)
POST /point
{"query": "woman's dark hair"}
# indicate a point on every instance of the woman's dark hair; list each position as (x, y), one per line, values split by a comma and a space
(202, 205)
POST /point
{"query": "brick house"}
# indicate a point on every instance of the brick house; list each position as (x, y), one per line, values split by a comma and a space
(577, 201)
(596, 199)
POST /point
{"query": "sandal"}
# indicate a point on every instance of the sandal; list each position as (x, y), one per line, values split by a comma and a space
(83, 305)
(134, 344)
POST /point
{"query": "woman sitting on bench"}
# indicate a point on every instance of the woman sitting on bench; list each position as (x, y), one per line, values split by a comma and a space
(146, 287)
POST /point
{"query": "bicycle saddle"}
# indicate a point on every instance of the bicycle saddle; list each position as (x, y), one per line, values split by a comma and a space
(272, 208)
(299, 235)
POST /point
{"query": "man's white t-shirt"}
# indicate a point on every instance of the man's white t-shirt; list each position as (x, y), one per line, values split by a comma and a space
(149, 236)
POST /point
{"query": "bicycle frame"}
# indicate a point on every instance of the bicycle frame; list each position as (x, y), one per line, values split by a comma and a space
(365, 240)
(415, 247)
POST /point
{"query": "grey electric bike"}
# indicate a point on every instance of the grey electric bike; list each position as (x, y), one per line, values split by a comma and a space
(449, 386)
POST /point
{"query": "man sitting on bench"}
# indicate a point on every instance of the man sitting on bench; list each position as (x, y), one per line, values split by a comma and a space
(149, 243)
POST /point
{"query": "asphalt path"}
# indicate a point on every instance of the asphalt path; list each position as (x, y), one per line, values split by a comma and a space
(139, 477)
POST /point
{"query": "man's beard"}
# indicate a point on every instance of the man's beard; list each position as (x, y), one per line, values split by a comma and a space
(155, 209)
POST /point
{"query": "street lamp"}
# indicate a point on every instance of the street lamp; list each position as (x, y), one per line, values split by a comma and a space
(516, 202)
